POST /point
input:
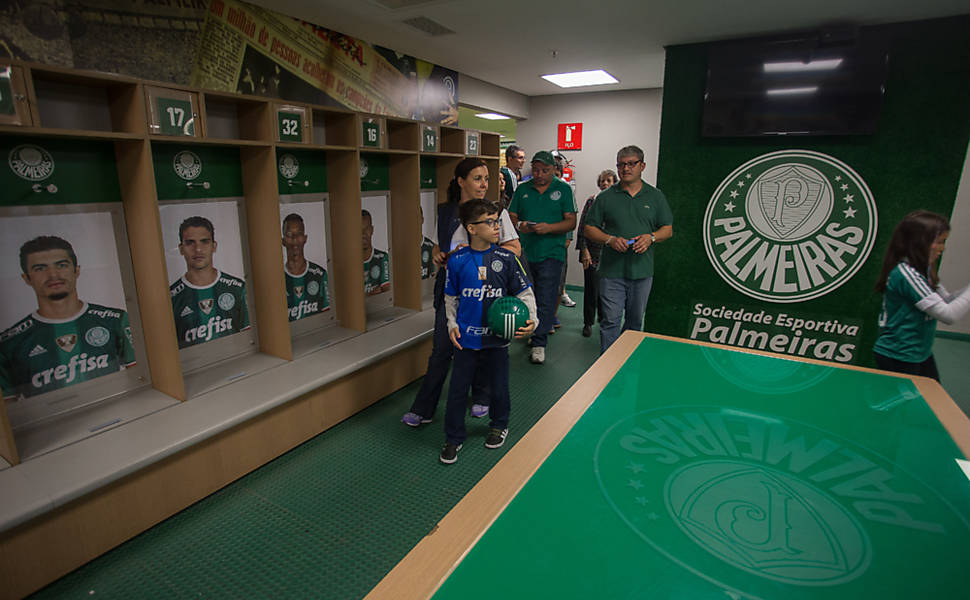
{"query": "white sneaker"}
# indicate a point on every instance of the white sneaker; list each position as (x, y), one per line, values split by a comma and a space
(538, 356)
(566, 301)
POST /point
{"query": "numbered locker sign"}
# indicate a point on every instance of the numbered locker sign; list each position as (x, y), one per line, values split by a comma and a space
(291, 122)
(372, 132)
(472, 142)
(13, 97)
(173, 112)
(429, 138)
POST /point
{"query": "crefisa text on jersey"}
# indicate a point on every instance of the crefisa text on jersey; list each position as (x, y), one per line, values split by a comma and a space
(216, 324)
(305, 307)
(105, 313)
(480, 293)
(78, 364)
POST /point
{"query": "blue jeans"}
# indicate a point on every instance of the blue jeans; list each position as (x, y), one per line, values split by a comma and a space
(470, 366)
(545, 281)
(619, 295)
(426, 402)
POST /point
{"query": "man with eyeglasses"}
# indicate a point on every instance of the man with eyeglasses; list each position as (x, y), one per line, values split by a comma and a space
(628, 218)
(543, 210)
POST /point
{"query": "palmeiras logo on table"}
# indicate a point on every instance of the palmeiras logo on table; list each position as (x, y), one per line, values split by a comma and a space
(731, 494)
(31, 162)
(289, 166)
(187, 165)
(789, 226)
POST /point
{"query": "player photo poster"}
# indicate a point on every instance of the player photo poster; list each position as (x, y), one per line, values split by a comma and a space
(303, 229)
(204, 258)
(63, 318)
(375, 242)
(429, 233)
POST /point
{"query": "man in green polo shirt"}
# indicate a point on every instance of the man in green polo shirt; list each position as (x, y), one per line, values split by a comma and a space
(628, 218)
(543, 210)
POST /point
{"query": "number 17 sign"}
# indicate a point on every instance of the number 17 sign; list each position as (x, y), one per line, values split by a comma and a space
(570, 136)
(172, 112)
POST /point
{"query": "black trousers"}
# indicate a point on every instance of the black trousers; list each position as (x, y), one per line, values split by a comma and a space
(927, 368)
(591, 296)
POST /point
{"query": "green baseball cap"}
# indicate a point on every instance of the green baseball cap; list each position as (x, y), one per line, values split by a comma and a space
(544, 156)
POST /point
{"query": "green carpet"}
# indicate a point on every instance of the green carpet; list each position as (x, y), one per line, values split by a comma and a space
(331, 517)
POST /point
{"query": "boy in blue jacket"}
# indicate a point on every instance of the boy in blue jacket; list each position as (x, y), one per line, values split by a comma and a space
(479, 274)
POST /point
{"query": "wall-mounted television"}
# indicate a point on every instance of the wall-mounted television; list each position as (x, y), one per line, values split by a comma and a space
(802, 84)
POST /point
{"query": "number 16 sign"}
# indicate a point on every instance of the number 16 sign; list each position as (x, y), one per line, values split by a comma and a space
(570, 136)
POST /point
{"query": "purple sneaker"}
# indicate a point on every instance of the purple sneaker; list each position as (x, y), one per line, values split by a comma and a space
(479, 410)
(414, 419)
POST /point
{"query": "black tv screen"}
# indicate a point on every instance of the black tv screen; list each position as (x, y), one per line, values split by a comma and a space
(798, 85)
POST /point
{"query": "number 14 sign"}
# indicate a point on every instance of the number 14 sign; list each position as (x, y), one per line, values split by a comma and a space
(570, 136)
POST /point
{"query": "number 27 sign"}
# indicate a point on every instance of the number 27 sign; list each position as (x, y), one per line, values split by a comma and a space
(570, 136)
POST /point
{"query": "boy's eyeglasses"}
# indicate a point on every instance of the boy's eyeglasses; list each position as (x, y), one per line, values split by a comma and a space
(489, 222)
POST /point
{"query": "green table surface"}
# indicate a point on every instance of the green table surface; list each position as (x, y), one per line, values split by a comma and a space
(706, 473)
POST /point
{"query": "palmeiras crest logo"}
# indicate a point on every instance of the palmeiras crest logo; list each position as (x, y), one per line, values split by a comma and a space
(187, 165)
(226, 301)
(289, 166)
(789, 226)
(751, 502)
(97, 336)
(31, 162)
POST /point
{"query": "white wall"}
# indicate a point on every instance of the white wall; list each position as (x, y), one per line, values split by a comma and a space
(955, 269)
(610, 121)
(481, 94)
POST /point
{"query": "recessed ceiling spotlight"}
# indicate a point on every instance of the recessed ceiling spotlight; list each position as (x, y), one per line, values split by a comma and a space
(581, 78)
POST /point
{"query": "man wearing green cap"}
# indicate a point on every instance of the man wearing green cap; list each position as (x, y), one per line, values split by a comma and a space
(543, 210)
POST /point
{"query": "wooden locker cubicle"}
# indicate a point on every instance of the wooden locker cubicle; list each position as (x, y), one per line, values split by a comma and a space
(46, 531)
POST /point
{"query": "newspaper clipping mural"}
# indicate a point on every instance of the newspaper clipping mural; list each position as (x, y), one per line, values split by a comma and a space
(232, 46)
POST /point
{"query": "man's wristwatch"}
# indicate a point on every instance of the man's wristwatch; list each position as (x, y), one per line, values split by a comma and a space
(653, 239)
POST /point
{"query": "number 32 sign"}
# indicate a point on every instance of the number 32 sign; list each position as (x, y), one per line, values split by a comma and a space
(570, 136)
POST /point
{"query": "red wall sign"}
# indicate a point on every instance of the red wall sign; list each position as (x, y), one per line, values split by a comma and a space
(570, 136)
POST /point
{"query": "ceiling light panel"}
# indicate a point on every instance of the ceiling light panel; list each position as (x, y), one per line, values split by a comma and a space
(581, 78)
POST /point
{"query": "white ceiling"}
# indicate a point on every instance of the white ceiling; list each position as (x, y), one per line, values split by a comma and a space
(510, 44)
